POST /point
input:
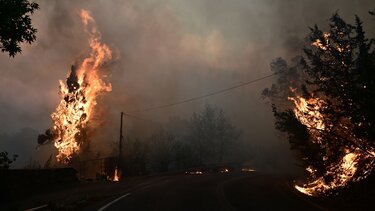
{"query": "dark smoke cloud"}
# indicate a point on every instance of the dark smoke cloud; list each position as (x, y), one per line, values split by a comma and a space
(166, 51)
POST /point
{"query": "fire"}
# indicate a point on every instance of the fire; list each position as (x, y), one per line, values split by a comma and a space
(78, 95)
(308, 112)
(116, 176)
(325, 44)
(346, 170)
(322, 44)
(353, 163)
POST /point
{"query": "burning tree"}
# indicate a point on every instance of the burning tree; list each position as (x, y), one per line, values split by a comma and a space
(78, 97)
(324, 102)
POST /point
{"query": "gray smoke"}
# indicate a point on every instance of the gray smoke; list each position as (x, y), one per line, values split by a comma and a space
(166, 51)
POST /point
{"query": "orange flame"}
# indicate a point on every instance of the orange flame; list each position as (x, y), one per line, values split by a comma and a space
(116, 177)
(343, 172)
(322, 44)
(307, 111)
(78, 100)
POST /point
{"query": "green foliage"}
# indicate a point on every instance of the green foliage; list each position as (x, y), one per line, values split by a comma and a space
(15, 25)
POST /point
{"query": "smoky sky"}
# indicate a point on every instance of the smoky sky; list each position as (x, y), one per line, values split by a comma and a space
(166, 51)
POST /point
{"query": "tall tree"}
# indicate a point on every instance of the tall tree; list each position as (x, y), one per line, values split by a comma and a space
(327, 110)
(342, 70)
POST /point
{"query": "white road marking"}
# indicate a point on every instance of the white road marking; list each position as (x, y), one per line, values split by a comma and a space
(112, 202)
(37, 208)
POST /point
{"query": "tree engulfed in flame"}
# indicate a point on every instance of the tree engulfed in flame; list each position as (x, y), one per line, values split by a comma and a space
(330, 119)
(307, 111)
(79, 95)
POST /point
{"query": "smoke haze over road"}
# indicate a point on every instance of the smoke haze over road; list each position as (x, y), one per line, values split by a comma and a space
(164, 51)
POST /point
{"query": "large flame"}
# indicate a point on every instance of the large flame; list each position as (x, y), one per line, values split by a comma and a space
(308, 112)
(78, 96)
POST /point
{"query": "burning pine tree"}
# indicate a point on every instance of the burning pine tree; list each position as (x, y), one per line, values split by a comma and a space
(78, 97)
(325, 102)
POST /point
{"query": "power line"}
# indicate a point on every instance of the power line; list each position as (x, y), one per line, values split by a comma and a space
(139, 118)
(202, 96)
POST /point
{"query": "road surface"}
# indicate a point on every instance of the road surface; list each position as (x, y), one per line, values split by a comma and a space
(215, 191)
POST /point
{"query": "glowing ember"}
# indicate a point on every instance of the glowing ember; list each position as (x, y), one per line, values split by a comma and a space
(194, 172)
(322, 44)
(247, 170)
(225, 170)
(79, 95)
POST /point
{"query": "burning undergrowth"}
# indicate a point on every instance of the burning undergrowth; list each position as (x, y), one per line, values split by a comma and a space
(72, 117)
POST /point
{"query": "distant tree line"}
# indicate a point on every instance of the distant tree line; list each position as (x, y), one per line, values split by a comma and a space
(208, 137)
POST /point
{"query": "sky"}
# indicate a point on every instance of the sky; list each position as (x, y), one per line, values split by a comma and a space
(164, 51)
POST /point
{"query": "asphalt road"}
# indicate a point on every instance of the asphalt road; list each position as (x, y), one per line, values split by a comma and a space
(215, 191)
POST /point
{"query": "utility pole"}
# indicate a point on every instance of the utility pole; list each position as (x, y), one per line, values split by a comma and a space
(120, 141)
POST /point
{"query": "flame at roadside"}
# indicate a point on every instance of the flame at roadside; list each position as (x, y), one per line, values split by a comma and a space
(346, 170)
(354, 160)
(78, 96)
(116, 176)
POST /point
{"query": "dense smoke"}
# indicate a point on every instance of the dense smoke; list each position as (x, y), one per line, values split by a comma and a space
(166, 51)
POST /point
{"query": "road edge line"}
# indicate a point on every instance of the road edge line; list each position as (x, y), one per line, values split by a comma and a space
(112, 202)
(37, 208)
